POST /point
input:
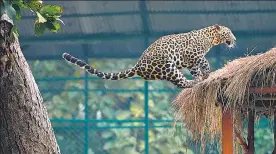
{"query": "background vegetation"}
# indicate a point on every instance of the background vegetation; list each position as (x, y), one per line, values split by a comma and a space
(65, 102)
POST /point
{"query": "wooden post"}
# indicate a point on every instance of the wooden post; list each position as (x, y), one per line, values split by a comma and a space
(250, 136)
(256, 90)
(227, 132)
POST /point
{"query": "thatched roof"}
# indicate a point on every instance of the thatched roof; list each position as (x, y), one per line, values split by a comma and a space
(197, 106)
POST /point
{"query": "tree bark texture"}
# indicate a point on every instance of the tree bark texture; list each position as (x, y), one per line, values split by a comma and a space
(24, 124)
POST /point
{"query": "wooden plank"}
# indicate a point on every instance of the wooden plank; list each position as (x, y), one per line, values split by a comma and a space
(263, 90)
(227, 132)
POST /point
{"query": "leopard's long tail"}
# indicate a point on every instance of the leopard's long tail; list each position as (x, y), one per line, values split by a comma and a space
(107, 76)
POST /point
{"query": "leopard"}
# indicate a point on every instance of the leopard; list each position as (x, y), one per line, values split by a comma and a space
(165, 57)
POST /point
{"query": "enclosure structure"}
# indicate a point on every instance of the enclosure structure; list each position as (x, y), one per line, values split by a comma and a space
(217, 107)
(90, 114)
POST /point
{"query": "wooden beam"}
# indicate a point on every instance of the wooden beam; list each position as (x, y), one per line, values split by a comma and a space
(262, 90)
(227, 132)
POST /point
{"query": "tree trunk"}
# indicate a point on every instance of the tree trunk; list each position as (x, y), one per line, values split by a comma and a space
(24, 124)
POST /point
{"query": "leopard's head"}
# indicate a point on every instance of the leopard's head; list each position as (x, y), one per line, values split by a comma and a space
(224, 35)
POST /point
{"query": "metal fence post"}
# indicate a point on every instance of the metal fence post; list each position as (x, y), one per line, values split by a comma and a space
(146, 29)
(146, 120)
(86, 127)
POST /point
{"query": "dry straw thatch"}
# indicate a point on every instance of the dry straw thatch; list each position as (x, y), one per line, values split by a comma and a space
(196, 106)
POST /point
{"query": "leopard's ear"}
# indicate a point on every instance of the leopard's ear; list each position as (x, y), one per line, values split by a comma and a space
(217, 27)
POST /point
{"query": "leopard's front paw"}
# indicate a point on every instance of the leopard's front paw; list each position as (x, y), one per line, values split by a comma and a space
(198, 79)
(190, 83)
(205, 76)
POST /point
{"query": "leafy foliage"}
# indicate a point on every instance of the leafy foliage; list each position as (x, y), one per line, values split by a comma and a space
(47, 16)
(264, 140)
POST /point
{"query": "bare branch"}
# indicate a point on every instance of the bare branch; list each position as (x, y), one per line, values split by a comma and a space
(241, 140)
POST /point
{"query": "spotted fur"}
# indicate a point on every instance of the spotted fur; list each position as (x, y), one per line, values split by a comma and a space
(164, 58)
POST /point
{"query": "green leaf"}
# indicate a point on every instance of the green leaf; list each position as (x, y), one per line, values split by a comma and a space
(136, 110)
(35, 5)
(57, 99)
(108, 145)
(39, 28)
(18, 11)
(72, 94)
(53, 26)
(15, 30)
(77, 74)
(21, 4)
(106, 135)
(50, 66)
(123, 115)
(60, 21)
(129, 150)
(41, 19)
(51, 10)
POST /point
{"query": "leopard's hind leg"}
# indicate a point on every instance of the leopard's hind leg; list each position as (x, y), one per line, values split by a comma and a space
(171, 73)
(158, 69)
(201, 69)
